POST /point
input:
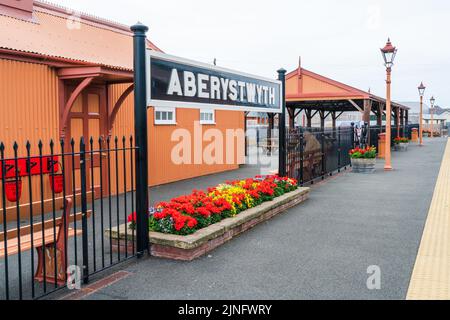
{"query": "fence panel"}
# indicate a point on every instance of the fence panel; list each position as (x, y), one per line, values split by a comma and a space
(314, 154)
(56, 202)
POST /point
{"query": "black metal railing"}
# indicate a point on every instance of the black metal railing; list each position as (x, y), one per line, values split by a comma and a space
(55, 209)
(313, 154)
(402, 131)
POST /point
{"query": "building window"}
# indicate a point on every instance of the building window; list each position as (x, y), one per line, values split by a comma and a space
(207, 116)
(165, 116)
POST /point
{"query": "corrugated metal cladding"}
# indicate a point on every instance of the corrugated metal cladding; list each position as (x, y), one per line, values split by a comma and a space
(28, 111)
(28, 104)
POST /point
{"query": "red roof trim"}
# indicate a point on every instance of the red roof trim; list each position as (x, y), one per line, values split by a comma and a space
(322, 95)
(35, 57)
(91, 71)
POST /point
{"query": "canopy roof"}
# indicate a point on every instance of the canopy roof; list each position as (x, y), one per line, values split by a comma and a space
(309, 90)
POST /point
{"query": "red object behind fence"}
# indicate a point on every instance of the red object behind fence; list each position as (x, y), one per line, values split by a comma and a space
(13, 190)
(57, 182)
(35, 167)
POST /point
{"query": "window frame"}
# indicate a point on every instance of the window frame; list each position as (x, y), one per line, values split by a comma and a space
(165, 122)
(208, 111)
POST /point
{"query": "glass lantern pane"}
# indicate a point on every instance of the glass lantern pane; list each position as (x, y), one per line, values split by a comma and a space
(389, 56)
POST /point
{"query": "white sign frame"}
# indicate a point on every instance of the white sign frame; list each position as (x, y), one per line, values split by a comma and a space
(195, 105)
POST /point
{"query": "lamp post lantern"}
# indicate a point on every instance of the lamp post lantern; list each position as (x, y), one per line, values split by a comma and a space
(389, 52)
(432, 101)
(421, 93)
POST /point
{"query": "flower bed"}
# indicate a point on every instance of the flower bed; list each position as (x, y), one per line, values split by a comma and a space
(203, 241)
(186, 215)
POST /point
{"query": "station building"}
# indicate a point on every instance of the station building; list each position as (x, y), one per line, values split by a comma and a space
(65, 75)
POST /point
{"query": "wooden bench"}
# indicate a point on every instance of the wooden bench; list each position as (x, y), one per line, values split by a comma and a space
(42, 236)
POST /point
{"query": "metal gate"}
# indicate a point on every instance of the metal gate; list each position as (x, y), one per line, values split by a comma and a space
(62, 206)
(313, 154)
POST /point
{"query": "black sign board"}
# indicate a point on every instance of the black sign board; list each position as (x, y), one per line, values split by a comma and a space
(177, 82)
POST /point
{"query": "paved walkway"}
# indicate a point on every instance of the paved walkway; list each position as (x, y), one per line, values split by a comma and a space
(319, 250)
(431, 276)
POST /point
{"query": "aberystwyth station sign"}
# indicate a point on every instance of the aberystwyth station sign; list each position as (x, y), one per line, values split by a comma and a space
(178, 82)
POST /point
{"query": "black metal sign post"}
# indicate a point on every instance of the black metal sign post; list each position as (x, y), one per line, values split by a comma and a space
(282, 125)
(140, 127)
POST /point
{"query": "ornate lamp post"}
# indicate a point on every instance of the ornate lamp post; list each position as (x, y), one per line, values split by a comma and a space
(421, 93)
(432, 101)
(389, 52)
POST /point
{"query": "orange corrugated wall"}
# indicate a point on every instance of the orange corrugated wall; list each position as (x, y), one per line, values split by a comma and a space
(161, 168)
(28, 111)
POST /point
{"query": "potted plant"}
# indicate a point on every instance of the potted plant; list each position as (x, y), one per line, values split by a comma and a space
(363, 160)
(401, 144)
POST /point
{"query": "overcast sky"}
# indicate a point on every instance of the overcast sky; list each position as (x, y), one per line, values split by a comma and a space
(336, 38)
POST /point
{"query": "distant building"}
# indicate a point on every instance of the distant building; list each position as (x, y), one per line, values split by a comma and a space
(414, 112)
(443, 113)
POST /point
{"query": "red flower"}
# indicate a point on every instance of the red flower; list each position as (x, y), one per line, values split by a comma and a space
(188, 208)
(132, 218)
(179, 225)
(192, 223)
(203, 212)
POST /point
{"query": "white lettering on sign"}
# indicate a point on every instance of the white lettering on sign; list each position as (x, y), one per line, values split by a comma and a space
(251, 92)
(215, 88)
(224, 83)
(175, 85)
(202, 85)
(271, 95)
(259, 92)
(190, 88)
(233, 90)
(219, 88)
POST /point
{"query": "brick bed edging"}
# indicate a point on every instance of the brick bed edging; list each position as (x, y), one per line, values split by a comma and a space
(188, 248)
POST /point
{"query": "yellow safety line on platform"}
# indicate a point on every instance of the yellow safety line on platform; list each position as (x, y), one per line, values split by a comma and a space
(431, 276)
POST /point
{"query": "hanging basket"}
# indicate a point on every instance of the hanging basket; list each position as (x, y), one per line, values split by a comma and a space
(13, 190)
(57, 182)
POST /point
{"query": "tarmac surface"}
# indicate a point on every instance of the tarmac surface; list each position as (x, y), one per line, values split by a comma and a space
(321, 249)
